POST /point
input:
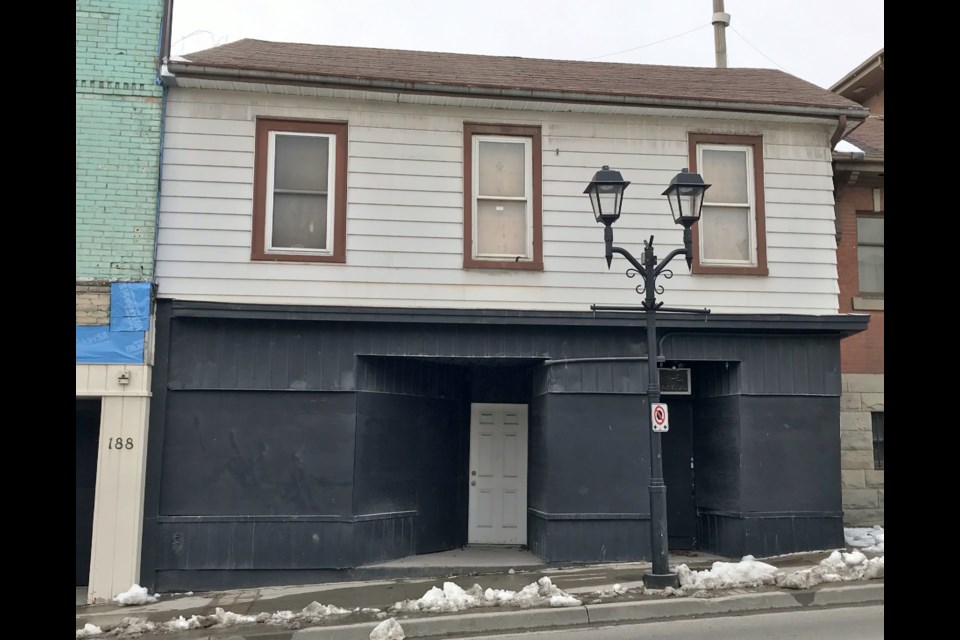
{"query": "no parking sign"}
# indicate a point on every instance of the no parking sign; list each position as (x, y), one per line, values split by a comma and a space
(658, 417)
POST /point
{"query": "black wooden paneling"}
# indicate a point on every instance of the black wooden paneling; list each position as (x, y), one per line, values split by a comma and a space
(409, 456)
(608, 540)
(241, 453)
(790, 453)
(538, 496)
(769, 364)
(716, 450)
(593, 454)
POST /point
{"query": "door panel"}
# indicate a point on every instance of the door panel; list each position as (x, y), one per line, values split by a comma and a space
(677, 447)
(498, 474)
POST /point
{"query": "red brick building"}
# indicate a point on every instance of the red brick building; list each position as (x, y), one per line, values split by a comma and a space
(858, 180)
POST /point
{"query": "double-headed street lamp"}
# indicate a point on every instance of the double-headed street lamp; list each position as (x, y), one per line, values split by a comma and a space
(685, 195)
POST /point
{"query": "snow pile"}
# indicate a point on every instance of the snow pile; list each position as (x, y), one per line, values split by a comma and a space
(316, 611)
(837, 567)
(313, 612)
(727, 575)
(453, 598)
(135, 595)
(869, 539)
(389, 629)
(616, 590)
(181, 624)
(89, 630)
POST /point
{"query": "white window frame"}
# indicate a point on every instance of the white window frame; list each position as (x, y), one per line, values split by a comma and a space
(750, 204)
(527, 188)
(330, 193)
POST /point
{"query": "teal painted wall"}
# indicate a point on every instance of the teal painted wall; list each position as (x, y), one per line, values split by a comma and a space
(118, 137)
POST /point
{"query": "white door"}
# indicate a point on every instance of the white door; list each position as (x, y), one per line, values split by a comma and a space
(498, 474)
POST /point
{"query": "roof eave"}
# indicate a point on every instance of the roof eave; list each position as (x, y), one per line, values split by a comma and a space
(198, 71)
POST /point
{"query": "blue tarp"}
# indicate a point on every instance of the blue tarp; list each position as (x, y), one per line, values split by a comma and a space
(129, 306)
(120, 342)
(100, 345)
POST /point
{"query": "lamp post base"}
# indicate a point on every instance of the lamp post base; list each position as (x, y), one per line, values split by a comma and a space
(661, 580)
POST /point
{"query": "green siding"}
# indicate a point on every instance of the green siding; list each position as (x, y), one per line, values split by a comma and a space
(118, 137)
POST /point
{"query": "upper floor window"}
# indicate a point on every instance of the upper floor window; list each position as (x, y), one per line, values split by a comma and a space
(731, 235)
(502, 197)
(870, 254)
(300, 189)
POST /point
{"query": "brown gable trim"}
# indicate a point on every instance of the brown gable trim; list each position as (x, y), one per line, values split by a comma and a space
(261, 158)
(759, 206)
(527, 131)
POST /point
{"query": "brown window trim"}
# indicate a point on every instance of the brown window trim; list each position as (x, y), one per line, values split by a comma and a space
(261, 158)
(526, 131)
(761, 226)
(872, 295)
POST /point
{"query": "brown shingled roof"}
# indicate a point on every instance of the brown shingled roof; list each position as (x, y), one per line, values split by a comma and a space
(732, 85)
(869, 136)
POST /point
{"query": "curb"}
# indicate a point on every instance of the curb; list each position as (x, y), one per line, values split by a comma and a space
(602, 614)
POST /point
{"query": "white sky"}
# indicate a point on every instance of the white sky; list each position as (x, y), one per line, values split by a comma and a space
(817, 40)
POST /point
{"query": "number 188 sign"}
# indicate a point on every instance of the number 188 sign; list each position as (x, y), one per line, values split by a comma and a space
(658, 417)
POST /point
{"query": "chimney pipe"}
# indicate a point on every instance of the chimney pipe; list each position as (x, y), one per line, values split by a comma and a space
(720, 22)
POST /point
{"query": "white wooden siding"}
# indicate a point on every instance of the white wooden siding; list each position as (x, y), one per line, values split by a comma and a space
(405, 210)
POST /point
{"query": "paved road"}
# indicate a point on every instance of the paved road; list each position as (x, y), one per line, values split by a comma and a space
(850, 623)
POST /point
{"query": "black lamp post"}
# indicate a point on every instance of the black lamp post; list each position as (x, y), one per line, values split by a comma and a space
(685, 195)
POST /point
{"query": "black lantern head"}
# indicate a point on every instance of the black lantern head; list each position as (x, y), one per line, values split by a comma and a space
(685, 195)
(606, 195)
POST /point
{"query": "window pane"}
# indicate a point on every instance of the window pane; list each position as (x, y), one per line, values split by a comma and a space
(870, 230)
(870, 265)
(502, 170)
(726, 173)
(726, 233)
(877, 424)
(502, 227)
(299, 221)
(301, 163)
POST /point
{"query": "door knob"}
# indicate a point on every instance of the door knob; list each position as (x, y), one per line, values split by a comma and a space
(473, 483)
(473, 473)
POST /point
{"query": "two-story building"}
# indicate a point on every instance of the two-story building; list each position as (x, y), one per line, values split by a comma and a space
(375, 272)
(858, 176)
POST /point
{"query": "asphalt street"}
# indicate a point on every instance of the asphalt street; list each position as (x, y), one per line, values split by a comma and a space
(848, 623)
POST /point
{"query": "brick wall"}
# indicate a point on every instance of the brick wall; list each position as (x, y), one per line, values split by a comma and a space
(862, 484)
(863, 352)
(118, 111)
(93, 303)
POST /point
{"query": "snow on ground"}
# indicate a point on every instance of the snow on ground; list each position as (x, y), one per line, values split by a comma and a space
(454, 598)
(869, 539)
(728, 575)
(135, 595)
(389, 629)
(837, 567)
(131, 626)
(749, 572)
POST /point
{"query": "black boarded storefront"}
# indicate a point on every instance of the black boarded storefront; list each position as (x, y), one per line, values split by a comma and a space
(288, 444)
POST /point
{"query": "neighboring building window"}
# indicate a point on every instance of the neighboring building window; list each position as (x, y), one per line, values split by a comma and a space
(300, 190)
(877, 419)
(870, 254)
(731, 235)
(501, 197)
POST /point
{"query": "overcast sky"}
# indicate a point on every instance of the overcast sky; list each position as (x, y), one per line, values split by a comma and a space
(817, 40)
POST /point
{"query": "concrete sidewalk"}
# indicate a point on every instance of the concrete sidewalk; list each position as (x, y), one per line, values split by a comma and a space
(591, 584)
